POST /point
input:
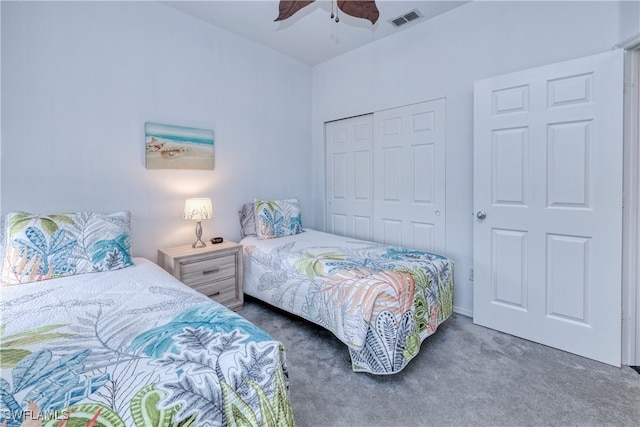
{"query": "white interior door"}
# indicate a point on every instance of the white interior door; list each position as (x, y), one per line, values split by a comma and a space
(409, 178)
(548, 205)
(349, 162)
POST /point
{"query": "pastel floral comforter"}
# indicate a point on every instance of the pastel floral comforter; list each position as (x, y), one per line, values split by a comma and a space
(134, 347)
(381, 301)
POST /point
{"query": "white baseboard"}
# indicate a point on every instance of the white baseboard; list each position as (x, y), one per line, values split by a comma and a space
(463, 311)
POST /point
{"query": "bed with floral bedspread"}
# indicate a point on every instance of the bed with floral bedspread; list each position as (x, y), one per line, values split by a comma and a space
(381, 301)
(134, 347)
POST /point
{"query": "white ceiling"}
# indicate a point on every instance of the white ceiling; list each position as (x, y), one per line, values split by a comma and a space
(310, 35)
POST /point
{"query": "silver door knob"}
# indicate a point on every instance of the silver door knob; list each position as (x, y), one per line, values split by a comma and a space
(481, 215)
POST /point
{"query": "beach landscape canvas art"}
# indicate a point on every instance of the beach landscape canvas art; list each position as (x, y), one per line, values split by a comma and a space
(177, 147)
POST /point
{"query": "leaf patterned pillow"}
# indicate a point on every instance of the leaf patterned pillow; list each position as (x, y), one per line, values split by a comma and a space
(41, 247)
(277, 218)
(247, 220)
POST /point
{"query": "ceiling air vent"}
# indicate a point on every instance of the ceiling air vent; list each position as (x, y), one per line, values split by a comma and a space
(406, 18)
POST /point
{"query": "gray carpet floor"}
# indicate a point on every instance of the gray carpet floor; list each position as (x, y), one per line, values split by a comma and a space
(464, 375)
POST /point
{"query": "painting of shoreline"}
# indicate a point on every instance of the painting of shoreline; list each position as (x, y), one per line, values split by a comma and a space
(176, 147)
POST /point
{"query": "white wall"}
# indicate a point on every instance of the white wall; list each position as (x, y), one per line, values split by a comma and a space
(79, 80)
(441, 58)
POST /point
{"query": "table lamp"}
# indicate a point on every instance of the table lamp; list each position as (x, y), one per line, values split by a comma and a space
(196, 210)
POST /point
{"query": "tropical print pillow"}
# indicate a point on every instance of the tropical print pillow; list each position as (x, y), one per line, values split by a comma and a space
(247, 220)
(40, 247)
(277, 218)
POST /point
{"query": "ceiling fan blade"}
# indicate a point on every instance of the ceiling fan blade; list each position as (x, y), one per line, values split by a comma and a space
(359, 9)
(288, 8)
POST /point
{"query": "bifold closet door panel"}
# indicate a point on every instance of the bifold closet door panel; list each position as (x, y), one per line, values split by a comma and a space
(349, 163)
(409, 176)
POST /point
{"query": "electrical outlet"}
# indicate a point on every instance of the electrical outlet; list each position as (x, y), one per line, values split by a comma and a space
(471, 274)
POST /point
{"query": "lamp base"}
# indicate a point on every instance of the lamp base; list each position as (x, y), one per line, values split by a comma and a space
(199, 244)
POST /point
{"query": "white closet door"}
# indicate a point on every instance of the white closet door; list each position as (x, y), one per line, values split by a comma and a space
(409, 176)
(349, 162)
(548, 201)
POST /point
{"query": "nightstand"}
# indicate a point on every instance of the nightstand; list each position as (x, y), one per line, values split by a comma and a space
(215, 270)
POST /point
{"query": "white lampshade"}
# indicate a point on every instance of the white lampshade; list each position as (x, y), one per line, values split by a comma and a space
(198, 209)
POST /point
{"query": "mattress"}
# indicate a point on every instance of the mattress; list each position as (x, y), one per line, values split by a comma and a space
(381, 301)
(134, 347)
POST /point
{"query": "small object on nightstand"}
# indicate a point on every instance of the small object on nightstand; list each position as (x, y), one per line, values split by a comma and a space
(216, 240)
(215, 271)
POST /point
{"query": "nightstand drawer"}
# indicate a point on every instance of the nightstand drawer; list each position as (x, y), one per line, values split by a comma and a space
(207, 270)
(219, 290)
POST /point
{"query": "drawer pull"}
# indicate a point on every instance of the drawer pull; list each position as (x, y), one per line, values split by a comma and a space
(213, 270)
(215, 294)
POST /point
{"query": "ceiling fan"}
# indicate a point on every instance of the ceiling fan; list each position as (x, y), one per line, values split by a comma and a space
(358, 9)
